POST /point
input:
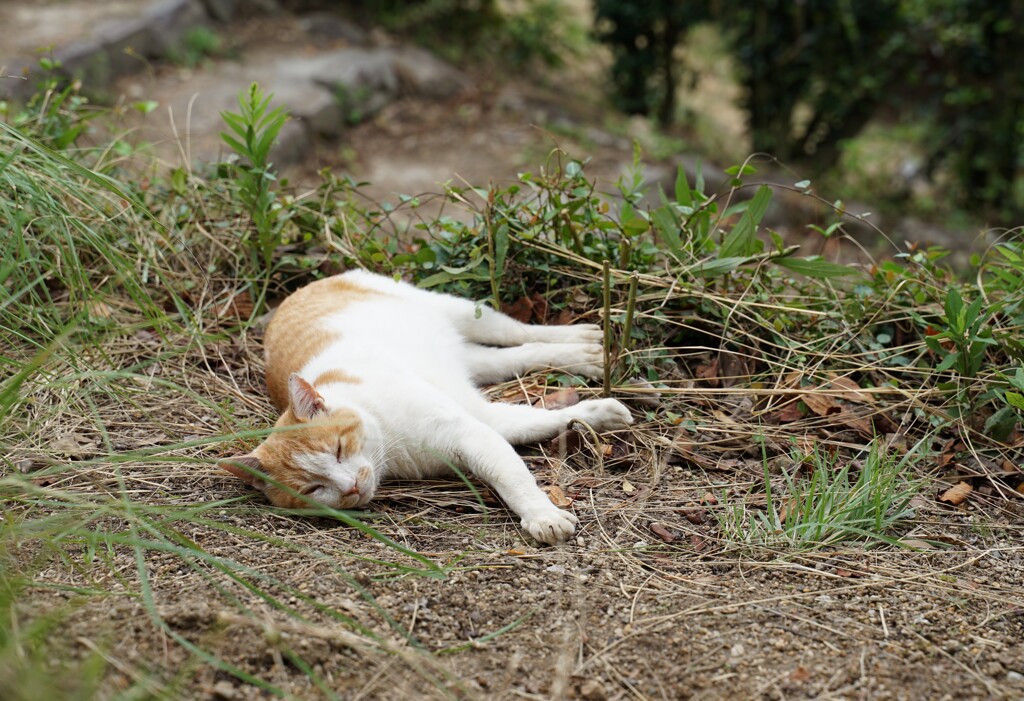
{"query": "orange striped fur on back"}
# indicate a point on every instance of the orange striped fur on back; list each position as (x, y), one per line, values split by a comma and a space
(295, 334)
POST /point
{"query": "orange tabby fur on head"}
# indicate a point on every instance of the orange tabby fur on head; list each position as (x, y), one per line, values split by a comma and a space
(376, 378)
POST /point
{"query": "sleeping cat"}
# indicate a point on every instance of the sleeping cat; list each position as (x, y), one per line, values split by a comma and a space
(377, 378)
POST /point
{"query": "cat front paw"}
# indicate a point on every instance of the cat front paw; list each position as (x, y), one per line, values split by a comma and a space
(550, 525)
(602, 414)
(576, 333)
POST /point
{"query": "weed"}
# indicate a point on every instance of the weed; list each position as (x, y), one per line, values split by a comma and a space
(197, 45)
(255, 128)
(829, 506)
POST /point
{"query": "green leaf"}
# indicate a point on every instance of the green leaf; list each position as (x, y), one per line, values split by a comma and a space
(744, 169)
(947, 362)
(146, 106)
(1015, 399)
(235, 145)
(683, 194)
(816, 267)
(954, 305)
(500, 248)
(667, 226)
(1001, 424)
(716, 267)
(446, 276)
(178, 180)
(742, 241)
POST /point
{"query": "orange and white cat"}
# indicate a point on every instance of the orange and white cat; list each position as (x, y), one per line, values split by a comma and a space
(377, 378)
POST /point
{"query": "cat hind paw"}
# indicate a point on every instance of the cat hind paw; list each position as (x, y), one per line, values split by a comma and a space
(553, 526)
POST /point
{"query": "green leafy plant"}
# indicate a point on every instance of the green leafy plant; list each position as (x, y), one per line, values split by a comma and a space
(197, 45)
(962, 345)
(253, 131)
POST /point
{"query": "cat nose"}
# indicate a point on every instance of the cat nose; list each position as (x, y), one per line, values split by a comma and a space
(354, 490)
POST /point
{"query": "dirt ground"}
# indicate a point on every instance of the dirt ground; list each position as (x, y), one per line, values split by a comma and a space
(647, 602)
(623, 611)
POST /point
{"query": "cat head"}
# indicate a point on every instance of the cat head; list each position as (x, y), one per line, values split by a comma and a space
(316, 452)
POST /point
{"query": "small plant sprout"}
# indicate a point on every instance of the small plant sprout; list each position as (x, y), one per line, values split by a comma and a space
(254, 128)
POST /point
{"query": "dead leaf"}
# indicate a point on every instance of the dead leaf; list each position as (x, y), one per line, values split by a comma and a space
(560, 399)
(662, 532)
(957, 494)
(73, 446)
(521, 310)
(787, 508)
(515, 552)
(916, 544)
(606, 449)
(855, 574)
(566, 443)
(557, 496)
(695, 516)
(788, 413)
(527, 309)
(853, 392)
(820, 404)
(858, 423)
(733, 368)
(709, 499)
(708, 372)
(800, 674)
(564, 318)
(698, 542)
(628, 487)
(1020, 488)
(238, 307)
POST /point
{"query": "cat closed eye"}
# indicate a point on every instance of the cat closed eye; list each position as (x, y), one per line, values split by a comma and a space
(311, 490)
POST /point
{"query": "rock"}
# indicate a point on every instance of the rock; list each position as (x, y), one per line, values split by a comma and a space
(424, 74)
(327, 27)
(224, 691)
(221, 10)
(592, 690)
(94, 42)
(116, 47)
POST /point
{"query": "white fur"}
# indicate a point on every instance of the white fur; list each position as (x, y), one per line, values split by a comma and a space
(418, 354)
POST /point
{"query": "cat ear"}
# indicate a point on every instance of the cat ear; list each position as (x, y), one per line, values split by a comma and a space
(305, 401)
(247, 468)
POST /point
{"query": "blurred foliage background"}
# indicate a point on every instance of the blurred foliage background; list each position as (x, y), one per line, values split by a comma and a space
(815, 73)
(940, 77)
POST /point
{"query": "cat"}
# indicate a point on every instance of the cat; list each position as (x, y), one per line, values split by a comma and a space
(376, 378)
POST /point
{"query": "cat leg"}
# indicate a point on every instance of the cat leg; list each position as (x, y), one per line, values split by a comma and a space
(522, 423)
(488, 364)
(486, 454)
(481, 324)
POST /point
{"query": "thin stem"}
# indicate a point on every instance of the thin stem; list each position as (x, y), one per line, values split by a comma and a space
(607, 391)
(627, 331)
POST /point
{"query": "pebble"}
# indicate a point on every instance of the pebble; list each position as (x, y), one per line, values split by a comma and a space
(592, 690)
(224, 691)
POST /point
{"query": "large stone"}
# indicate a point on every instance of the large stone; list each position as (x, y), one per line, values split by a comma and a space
(95, 42)
(426, 75)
